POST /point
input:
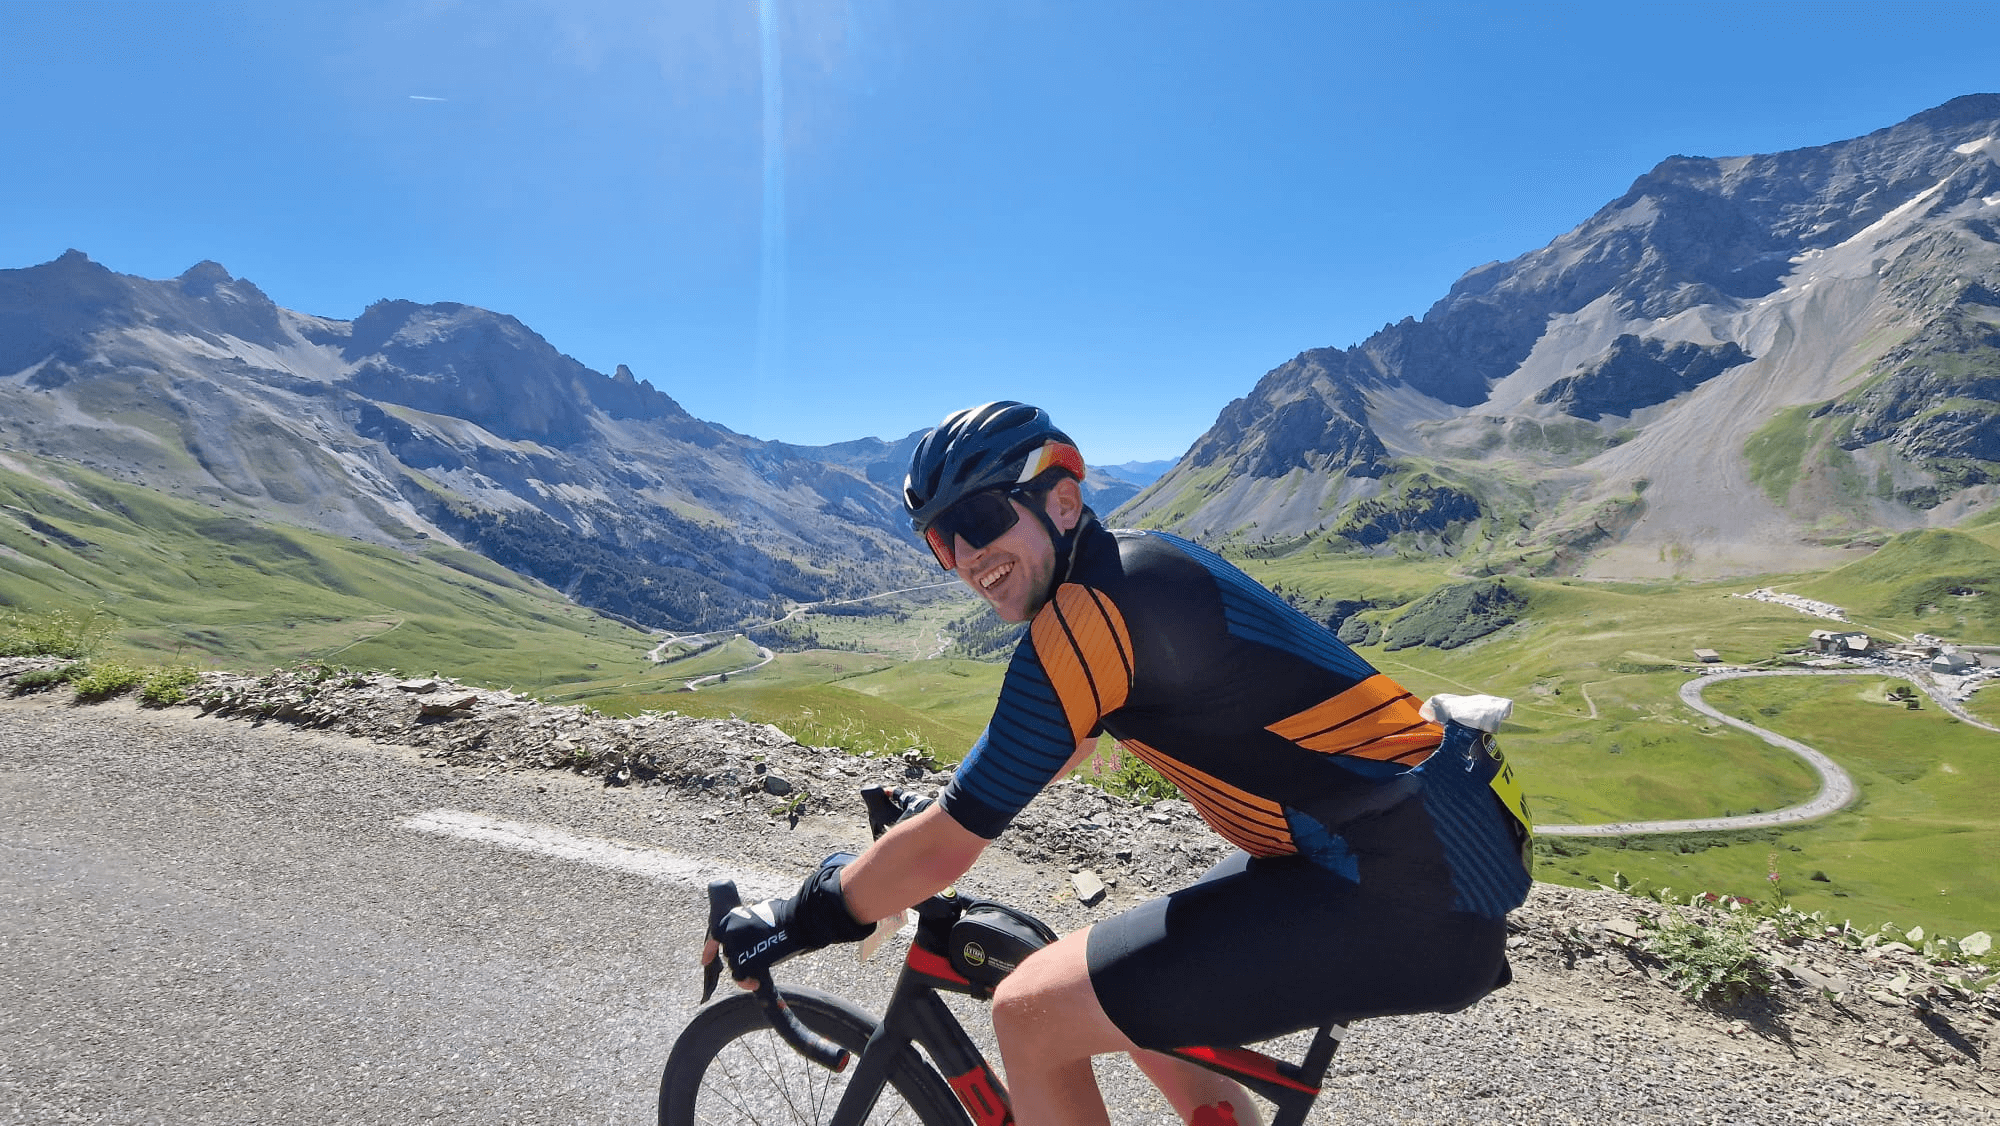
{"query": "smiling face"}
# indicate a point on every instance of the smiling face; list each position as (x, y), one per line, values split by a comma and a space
(1012, 573)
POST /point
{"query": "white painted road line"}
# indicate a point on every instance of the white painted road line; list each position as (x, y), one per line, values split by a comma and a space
(547, 840)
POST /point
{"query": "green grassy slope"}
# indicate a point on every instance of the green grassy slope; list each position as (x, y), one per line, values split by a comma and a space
(1935, 581)
(1597, 727)
(871, 703)
(1922, 846)
(185, 582)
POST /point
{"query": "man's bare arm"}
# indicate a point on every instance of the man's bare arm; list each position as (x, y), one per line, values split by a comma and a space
(912, 861)
(918, 859)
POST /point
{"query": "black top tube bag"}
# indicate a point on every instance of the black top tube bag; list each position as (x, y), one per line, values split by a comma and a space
(991, 939)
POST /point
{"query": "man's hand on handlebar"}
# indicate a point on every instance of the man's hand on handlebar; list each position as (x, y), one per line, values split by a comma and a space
(752, 939)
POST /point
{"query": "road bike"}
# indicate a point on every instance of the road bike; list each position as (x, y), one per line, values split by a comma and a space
(782, 1055)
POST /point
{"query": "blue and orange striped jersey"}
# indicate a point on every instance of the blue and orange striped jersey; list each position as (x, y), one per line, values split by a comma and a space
(1255, 711)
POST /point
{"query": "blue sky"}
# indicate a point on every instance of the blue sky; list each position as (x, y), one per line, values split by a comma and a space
(1126, 212)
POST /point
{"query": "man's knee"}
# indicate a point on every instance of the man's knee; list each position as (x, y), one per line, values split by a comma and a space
(1025, 999)
(1048, 999)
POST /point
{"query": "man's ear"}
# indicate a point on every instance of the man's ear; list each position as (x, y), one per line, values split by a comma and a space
(1064, 504)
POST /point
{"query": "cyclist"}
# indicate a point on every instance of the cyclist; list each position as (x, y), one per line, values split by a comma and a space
(1362, 885)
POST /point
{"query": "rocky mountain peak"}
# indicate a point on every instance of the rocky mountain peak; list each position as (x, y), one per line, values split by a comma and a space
(440, 421)
(74, 276)
(203, 278)
(232, 306)
(626, 396)
(471, 363)
(55, 312)
(73, 260)
(1649, 344)
(208, 279)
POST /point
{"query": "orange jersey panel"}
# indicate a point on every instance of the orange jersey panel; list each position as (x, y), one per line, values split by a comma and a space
(1087, 653)
(1255, 825)
(1376, 719)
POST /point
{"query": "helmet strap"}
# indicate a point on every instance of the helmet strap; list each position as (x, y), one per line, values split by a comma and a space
(1065, 544)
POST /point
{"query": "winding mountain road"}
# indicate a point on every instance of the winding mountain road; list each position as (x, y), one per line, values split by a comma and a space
(764, 657)
(1836, 790)
(657, 654)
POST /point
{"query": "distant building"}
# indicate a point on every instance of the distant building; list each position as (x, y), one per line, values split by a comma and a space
(1707, 656)
(1841, 643)
(1952, 662)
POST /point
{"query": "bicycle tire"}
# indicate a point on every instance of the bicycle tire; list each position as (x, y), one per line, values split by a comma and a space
(729, 1066)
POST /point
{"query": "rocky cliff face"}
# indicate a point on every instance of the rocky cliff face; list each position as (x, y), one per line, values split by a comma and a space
(1652, 349)
(1635, 373)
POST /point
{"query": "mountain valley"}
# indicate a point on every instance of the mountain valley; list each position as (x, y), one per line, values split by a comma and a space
(1742, 365)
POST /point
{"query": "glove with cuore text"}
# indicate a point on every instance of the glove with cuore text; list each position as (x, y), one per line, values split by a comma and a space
(757, 937)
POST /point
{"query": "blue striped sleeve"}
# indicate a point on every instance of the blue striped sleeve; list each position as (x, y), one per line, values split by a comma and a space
(1024, 747)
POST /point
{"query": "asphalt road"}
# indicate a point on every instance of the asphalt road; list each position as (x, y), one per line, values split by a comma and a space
(206, 922)
(202, 922)
(232, 926)
(1836, 789)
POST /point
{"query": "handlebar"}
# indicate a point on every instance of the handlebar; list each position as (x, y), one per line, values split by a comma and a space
(722, 899)
(886, 806)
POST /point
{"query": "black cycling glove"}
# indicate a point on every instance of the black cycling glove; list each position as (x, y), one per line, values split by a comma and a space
(758, 937)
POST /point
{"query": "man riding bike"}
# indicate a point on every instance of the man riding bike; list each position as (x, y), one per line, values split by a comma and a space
(1364, 885)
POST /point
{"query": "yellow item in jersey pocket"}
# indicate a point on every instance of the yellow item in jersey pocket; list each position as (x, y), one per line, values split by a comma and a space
(1508, 787)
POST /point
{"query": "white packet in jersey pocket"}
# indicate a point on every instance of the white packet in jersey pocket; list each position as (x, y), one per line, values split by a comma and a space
(1481, 713)
(885, 930)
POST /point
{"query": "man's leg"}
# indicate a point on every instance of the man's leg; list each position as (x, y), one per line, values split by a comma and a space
(1049, 1024)
(1198, 1095)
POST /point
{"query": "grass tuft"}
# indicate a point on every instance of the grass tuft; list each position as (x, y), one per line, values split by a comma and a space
(168, 686)
(1710, 960)
(104, 679)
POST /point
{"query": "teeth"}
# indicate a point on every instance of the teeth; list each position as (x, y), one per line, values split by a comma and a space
(987, 580)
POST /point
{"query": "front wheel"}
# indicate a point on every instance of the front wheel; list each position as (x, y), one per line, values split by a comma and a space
(729, 1066)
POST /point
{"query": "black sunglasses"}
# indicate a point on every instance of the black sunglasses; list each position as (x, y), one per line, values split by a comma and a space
(981, 518)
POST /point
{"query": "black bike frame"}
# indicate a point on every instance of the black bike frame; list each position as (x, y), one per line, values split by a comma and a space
(917, 1015)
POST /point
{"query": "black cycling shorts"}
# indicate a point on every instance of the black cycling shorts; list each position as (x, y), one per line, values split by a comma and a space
(1259, 947)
